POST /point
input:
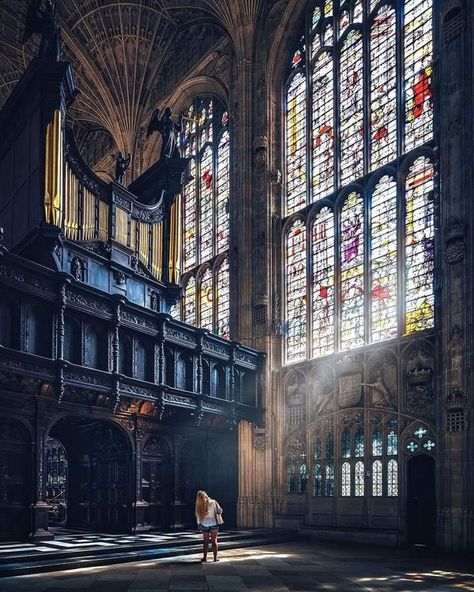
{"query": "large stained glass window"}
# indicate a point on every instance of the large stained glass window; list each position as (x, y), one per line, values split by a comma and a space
(296, 292)
(205, 140)
(359, 177)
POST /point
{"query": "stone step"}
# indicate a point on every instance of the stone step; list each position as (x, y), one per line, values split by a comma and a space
(31, 561)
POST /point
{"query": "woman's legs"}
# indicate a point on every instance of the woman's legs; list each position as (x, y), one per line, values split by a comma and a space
(205, 545)
(214, 532)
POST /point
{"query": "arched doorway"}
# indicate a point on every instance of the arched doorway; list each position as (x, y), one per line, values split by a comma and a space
(421, 501)
(100, 474)
(15, 479)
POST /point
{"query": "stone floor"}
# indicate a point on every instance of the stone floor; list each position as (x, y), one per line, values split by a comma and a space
(301, 566)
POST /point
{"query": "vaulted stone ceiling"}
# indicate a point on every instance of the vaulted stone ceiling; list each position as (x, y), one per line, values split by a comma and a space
(120, 51)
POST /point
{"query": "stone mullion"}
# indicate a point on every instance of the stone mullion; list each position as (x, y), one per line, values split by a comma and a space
(455, 129)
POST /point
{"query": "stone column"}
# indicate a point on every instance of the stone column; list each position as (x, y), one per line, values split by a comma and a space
(455, 265)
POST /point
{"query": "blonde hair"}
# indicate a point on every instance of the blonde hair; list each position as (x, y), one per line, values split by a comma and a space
(202, 505)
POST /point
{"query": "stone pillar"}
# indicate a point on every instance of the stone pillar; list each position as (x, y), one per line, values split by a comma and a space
(455, 266)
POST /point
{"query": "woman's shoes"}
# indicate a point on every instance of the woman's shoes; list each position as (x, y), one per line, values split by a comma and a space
(215, 559)
(203, 560)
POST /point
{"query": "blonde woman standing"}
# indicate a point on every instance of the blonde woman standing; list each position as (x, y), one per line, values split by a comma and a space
(208, 518)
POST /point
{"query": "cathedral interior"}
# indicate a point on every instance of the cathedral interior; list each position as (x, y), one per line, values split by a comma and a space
(235, 257)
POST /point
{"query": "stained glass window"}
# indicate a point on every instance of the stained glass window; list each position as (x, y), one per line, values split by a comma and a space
(358, 10)
(329, 480)
(352, 107)
(352, 272)
(392, 443)
(175, 311)
(418, 49)
(392, 478)
(206, 299)
(189, 209)
(323, 300)
(223, 183)
(359, 485)
(346, 444)
(377, 443)
(323, 126)
(293, 479)
(346, 479)
(317, 468)
(329, 460)
(205, 140)
(384, 274)
(296, 292)
(189, 302)
(358, 104)
(419, 249)
(383, 88)
(296, 143)
(206, 205)
(377, 478)
(222, 297)
(316, 17)
(359, 443)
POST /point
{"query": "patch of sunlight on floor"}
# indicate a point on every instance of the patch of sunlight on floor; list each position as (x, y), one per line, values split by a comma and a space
(265, 555)
(419, 577)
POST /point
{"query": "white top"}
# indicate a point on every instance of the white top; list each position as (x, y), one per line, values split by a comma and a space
(210, 517)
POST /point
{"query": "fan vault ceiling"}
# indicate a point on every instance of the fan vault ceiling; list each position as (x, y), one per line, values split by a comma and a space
(123, 53)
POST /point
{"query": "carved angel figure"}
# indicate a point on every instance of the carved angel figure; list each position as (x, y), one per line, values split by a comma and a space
(169, 131)
(121, 165)
(44, 20)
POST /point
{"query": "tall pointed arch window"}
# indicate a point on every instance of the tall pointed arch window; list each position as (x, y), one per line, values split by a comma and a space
(205, 140)
(359, 176)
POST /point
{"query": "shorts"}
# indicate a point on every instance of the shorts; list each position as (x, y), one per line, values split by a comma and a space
(203, 528)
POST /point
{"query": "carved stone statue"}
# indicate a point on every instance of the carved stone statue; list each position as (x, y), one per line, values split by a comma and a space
(380, 392)
(44, 20)
(169, 131)
(121, 165)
